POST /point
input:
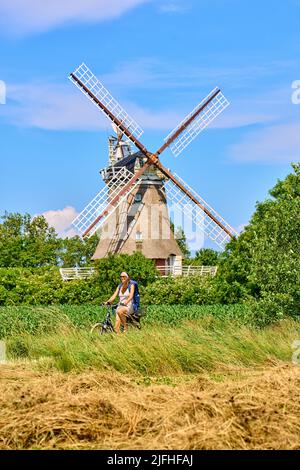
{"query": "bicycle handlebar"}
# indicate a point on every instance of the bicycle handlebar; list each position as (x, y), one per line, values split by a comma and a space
(109, 305)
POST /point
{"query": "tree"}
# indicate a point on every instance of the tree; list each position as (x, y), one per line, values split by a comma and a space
(207, 257)
(77, 252)
(138, 267)
(27, 242)
(181, 240)
(31, 243)
(265, 258)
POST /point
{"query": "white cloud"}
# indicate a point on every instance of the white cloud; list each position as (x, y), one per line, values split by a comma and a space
(191, 84)
(275, 144)
(34, 16)
(235, 118)
(150, 72)
(50, 106)
(174, 6)
(61, 220)
(61, 107)
(264, 108)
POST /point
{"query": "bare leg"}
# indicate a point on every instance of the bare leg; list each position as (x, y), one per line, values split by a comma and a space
(121, 319)
(122, 311)
(118, 323)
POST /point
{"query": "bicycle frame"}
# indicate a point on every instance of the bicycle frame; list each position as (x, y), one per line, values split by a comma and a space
(110, 310)
(106, 326)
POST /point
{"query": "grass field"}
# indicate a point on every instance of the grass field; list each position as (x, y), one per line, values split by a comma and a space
(207, 380)
(37, 320)
(191, 347)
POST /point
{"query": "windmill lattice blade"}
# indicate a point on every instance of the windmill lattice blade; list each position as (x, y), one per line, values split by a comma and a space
(86, 218)
(201, 121)
(90, 81)
(200, 218)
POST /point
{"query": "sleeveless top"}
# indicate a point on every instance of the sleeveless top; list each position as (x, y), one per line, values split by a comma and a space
(124, 297)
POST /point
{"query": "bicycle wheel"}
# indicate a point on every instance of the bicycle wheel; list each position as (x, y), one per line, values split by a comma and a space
(134, 323)
(101, 329)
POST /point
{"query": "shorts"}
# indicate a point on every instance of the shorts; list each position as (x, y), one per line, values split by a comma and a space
(129, 309)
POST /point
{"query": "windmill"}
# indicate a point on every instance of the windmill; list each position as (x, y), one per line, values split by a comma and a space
(135, 182)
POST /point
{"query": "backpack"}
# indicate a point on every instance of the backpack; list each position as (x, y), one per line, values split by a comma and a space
(136, 296)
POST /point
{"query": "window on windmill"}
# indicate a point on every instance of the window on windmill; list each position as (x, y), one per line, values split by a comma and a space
(138, 197)
(138, 236)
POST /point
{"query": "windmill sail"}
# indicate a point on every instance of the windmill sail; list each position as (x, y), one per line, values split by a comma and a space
(89, 84)
(94, 215)
(197, 121)
(202, 214)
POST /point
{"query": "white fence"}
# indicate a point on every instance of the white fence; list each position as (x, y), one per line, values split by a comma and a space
(187, 270)
(69, 274)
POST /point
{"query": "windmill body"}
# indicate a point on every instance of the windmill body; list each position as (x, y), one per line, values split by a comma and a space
(141, 222)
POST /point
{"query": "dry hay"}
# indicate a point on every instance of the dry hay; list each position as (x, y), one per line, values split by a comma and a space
(93, 410)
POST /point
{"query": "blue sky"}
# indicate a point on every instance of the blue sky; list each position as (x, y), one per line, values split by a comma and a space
(159, 58)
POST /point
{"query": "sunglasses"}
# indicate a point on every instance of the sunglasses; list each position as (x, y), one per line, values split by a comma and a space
(125, 277)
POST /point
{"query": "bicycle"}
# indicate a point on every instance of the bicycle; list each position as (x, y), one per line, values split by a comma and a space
(106, 326)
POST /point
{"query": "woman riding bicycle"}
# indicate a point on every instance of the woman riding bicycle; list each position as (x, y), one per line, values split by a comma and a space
(125, 305)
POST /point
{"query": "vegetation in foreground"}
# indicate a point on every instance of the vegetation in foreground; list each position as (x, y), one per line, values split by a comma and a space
(208, 383)
(46, 319)
(231, 408)
(160, 350)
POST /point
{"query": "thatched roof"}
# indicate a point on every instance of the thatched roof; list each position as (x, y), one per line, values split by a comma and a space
(153, 249)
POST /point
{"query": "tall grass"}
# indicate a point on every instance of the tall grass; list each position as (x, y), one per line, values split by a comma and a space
(38, 320)
(204, 344)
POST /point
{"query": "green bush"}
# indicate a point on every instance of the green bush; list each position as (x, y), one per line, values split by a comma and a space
(44, 286)
(180, 290)
(272, 308)
(29, 286)
(137, 266)
(193, 290)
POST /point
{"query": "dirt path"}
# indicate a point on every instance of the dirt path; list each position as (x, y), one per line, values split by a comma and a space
(250, 409)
